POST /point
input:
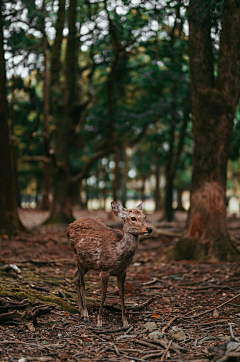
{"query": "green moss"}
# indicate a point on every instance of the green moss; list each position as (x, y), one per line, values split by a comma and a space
(19, 293)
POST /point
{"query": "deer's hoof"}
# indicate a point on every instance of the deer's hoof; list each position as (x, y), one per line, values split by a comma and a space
(100, 328)
(86, 320)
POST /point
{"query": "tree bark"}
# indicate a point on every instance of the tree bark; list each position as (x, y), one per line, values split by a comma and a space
(213, 109)
(45, 202)
(179, 199)
(56, 48)
(169, 214)
(142, 190)
(115, 185)
(9, 221)
(124, 175)
(157, 195)
(61, 211)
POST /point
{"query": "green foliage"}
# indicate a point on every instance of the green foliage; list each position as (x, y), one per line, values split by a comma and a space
(132, 86)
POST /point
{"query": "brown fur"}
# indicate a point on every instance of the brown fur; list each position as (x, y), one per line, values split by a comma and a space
(98, 247)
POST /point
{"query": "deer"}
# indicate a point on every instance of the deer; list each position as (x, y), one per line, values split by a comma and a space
(109, 251)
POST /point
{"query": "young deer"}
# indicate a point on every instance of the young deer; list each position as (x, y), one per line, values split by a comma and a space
(98, 247)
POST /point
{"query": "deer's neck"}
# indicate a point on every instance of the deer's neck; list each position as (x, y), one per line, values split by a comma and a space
(130, 240)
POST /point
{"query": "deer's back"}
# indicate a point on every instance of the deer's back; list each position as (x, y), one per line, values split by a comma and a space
(94, 244)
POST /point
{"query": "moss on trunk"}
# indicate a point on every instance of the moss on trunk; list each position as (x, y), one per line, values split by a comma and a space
(9, 288)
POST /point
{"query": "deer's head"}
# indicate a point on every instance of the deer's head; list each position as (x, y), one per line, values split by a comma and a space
(134, 220)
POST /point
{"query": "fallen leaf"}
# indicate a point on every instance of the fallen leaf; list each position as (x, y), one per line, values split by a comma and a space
(155, 316)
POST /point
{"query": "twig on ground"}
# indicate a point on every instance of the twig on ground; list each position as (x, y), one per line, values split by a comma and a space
(153, 355)
(116, 349)
(146, 344)
(211, 310)
(142, 306)
(105, 349)
(169, 323)
(174, 347)
(68, 282)
(154, 280)
(134, 358)
(99, 331)
(232, 334)
(39, 288)
(129, 330)
(166, 351)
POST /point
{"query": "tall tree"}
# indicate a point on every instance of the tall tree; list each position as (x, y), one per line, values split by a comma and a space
(61, 210)
(9, 221)
(214, 102)
(45, 202)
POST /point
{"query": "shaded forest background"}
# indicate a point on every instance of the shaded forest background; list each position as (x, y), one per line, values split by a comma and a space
(124, 100)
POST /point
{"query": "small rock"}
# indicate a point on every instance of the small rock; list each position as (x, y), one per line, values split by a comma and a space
(233, 346)
(23, 359)
(177, 334)
(230, 311)
(216, 313)
(61, 294)
(150, 326)
(30, 326)
(155, 335)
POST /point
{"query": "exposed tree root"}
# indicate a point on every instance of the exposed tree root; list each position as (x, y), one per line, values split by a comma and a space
(211, 250)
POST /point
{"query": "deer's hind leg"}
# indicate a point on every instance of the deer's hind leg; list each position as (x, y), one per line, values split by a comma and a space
(80, 288)
(82, 303)
(121, 280)
(77, 286)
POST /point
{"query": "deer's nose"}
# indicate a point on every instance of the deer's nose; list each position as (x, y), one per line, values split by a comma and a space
(149, 230)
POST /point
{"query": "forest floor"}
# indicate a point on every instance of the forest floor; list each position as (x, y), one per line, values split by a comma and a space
(177, 311)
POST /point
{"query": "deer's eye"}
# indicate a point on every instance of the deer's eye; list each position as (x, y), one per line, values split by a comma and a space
(133, 219)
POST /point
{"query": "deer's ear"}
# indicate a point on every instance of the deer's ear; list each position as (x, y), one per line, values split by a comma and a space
(119, 210)
(140, 206)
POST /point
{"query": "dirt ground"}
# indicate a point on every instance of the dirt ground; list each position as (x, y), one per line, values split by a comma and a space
(177, 311)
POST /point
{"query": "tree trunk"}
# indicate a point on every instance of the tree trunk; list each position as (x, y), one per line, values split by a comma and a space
(115, 185)
(45, 202)
(124, 176)
(142, 191)
(9, 221)
(61, 209)
(213, 110)
(157, 196)
(82, 203)
(56, 49)
(179, 200)
(11, 133)
(169, 214)
(61, 212)
(169, 174)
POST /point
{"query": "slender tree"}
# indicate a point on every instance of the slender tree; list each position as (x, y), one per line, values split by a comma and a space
(9, 221)
(61, 209)
(45, 203)
(214, 102)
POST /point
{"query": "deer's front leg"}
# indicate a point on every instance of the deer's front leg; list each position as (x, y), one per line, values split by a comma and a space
(121, 280)
(104, 277)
